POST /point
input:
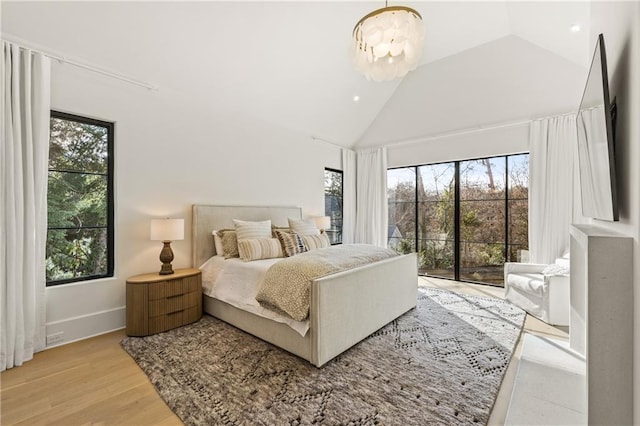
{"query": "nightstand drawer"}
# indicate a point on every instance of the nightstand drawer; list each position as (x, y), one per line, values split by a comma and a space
(174, 303)
(174, 319)
(157, 303)
(169, 288)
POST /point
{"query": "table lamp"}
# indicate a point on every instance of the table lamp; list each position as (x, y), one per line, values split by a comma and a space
(323, 222)
(167, 230)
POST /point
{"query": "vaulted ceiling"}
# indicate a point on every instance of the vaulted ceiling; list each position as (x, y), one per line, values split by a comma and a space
(287, 63)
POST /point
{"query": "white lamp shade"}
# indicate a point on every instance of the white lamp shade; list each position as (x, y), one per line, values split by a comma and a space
(167, 229)
(323, 222)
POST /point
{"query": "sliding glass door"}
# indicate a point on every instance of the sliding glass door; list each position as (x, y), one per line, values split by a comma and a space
(436, 197)
(401, 193)
(463, 218)
(518, 212)
(482, 219)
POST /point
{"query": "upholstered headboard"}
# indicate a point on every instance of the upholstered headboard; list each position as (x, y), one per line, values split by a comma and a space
(206, 218)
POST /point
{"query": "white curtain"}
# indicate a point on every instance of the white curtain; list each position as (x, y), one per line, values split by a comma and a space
(348, 196)
(371, 195)
(554, 192)
(23, 210)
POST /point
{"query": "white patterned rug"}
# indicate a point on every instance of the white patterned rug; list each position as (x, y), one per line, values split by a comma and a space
(441, 363)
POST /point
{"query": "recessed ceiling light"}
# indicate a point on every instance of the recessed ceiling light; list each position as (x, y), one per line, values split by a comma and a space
(356, 98)
(575, 28)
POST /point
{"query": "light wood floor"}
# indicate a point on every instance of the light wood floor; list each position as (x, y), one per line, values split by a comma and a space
(95, 381)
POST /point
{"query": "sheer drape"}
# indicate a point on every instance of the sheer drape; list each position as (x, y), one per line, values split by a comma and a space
(371, 195)
(554, 192)
(348, 196)
(23, 221)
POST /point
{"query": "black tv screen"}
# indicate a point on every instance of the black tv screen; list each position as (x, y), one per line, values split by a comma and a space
(596, 159)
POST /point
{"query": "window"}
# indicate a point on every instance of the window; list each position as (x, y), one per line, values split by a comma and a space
(79, 200)
(463, 218)
(333, 204)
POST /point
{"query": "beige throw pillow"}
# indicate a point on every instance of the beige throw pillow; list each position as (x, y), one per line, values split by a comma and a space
(313, 242)
(247, 230)
(303, 227)
(262, 248)
(229, 243)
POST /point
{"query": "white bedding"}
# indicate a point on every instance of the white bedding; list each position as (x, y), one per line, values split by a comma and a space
(237, 282)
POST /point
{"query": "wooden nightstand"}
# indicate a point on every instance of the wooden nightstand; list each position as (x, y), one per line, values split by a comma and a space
(157, 303)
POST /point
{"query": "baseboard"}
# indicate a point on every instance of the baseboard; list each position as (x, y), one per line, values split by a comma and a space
(85, 326)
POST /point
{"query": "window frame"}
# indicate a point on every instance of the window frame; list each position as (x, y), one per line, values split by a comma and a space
(110, 227)
(341, 172)
(457, 203)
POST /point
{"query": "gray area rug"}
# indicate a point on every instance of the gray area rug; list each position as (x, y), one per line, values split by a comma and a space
(441, 363)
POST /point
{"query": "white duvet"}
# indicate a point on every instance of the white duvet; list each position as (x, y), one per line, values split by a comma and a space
(237, 282)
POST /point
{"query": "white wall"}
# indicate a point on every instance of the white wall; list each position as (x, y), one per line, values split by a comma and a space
(480, 143)
(173, 150)
(619, 22)
(503, 81)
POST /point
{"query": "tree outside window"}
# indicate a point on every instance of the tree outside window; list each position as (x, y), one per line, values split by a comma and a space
(465, 219)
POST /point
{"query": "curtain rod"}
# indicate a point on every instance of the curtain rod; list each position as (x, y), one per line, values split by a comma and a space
(471, 130)
(76, 63)
(317, 139)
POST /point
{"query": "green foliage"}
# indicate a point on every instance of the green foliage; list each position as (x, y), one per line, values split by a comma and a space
(77, 198)
(405, 246)
(436, 255)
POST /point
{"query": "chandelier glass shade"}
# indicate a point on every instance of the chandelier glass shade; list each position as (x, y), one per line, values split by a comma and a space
(387, 43)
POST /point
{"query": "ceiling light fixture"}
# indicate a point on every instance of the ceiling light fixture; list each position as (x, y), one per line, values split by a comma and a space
(356, 98)
(575, 28)
(393, 32)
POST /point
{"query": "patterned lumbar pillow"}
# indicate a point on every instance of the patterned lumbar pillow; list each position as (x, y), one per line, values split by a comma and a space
(229, 243)
(247, 230)
(313, 242)
(260, 248)
(303, 227)
(291, 243)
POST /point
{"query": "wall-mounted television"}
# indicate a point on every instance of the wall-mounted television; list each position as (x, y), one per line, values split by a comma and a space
(596, 142)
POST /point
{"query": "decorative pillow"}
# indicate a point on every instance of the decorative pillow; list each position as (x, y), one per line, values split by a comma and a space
(279, 228)
(217, 241)
(247, 230)
(313, 242)
(303, 227)
(229, 244)
(261, 248)
(554, 269)
(291, 243)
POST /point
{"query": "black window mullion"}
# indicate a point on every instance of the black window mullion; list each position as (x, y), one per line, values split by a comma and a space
(456, 223)
(416, 209)
(506, 209)
(110, 200)
(78, 228)
(78, 172)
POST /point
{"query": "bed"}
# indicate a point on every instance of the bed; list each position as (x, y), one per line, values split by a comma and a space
(345, 307)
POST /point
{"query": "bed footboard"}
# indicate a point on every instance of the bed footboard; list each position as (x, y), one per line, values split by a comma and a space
(348, 306)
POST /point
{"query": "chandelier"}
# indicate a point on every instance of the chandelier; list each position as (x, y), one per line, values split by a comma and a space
(387, 43)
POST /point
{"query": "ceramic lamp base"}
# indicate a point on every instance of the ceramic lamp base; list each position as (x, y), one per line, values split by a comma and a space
(166, 256)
